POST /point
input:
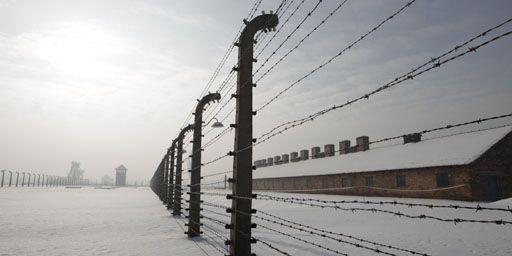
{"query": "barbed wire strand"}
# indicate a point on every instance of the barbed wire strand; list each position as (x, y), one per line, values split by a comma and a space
(337, 55)
(398, 213)
(224, 58)
(299, 43)
(334, 233)
(387, 86)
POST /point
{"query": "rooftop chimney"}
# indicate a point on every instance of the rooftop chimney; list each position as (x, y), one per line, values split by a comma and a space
(412, 138)
(277, 160)
(285, 158)
(304, 154)
(344, 147)
(363, 143)
(270, 161)
(294, 157)
(315, 152)
(329, 150)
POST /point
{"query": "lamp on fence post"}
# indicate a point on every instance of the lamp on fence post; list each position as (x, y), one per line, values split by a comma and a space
(217, 124)
(194, 226)
(10, 178)
(3, 174)
(240, 233)
(170, 182)
(179, 159)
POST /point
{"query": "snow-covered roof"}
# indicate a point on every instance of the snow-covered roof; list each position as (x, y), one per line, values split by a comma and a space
(459, 149)
(121, 168)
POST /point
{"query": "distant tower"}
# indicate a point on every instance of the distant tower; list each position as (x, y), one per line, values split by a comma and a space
(121, 175)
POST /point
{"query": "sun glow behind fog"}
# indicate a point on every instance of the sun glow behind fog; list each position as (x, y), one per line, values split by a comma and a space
(78, 49)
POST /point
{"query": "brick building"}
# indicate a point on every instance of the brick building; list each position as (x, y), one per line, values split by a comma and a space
(474, 166)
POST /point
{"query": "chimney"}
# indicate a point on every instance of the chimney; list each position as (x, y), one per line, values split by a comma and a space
(294, 157)
(412, 138)
(329, 150)
(344, 147)
(270, 161)
(315, 152)
(285, 158)
(363, 143)
(277, 160)
(304, 154)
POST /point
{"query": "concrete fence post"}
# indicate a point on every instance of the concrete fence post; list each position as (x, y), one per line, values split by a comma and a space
(241, 208)
(194, 226)
(179, 162)
(170, 191)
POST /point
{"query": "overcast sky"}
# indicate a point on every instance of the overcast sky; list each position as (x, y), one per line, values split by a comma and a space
(106, 83)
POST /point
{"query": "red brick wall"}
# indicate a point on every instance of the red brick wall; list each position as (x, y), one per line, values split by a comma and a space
(496, 161)
(384, 183)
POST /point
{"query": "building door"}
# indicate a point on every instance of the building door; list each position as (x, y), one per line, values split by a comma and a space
(492, 187)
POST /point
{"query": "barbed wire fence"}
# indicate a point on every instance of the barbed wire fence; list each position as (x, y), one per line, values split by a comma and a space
(11, 179)
(218, 208)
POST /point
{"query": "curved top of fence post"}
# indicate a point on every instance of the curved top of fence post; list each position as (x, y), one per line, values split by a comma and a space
(264, 21)
(206, 99)
(185, 130)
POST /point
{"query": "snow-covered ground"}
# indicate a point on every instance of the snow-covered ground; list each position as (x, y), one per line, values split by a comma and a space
(131, 221)
(87, 221)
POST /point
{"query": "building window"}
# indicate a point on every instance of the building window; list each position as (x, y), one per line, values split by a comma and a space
(369, 181)
(325, 182)
(309, 183)
(400, 181)
(442, 180)
(344, 182)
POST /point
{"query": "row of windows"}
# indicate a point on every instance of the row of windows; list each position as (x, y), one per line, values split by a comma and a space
(442, 180)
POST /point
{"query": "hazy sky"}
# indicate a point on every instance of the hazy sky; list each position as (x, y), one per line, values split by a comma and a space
(106, 83)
